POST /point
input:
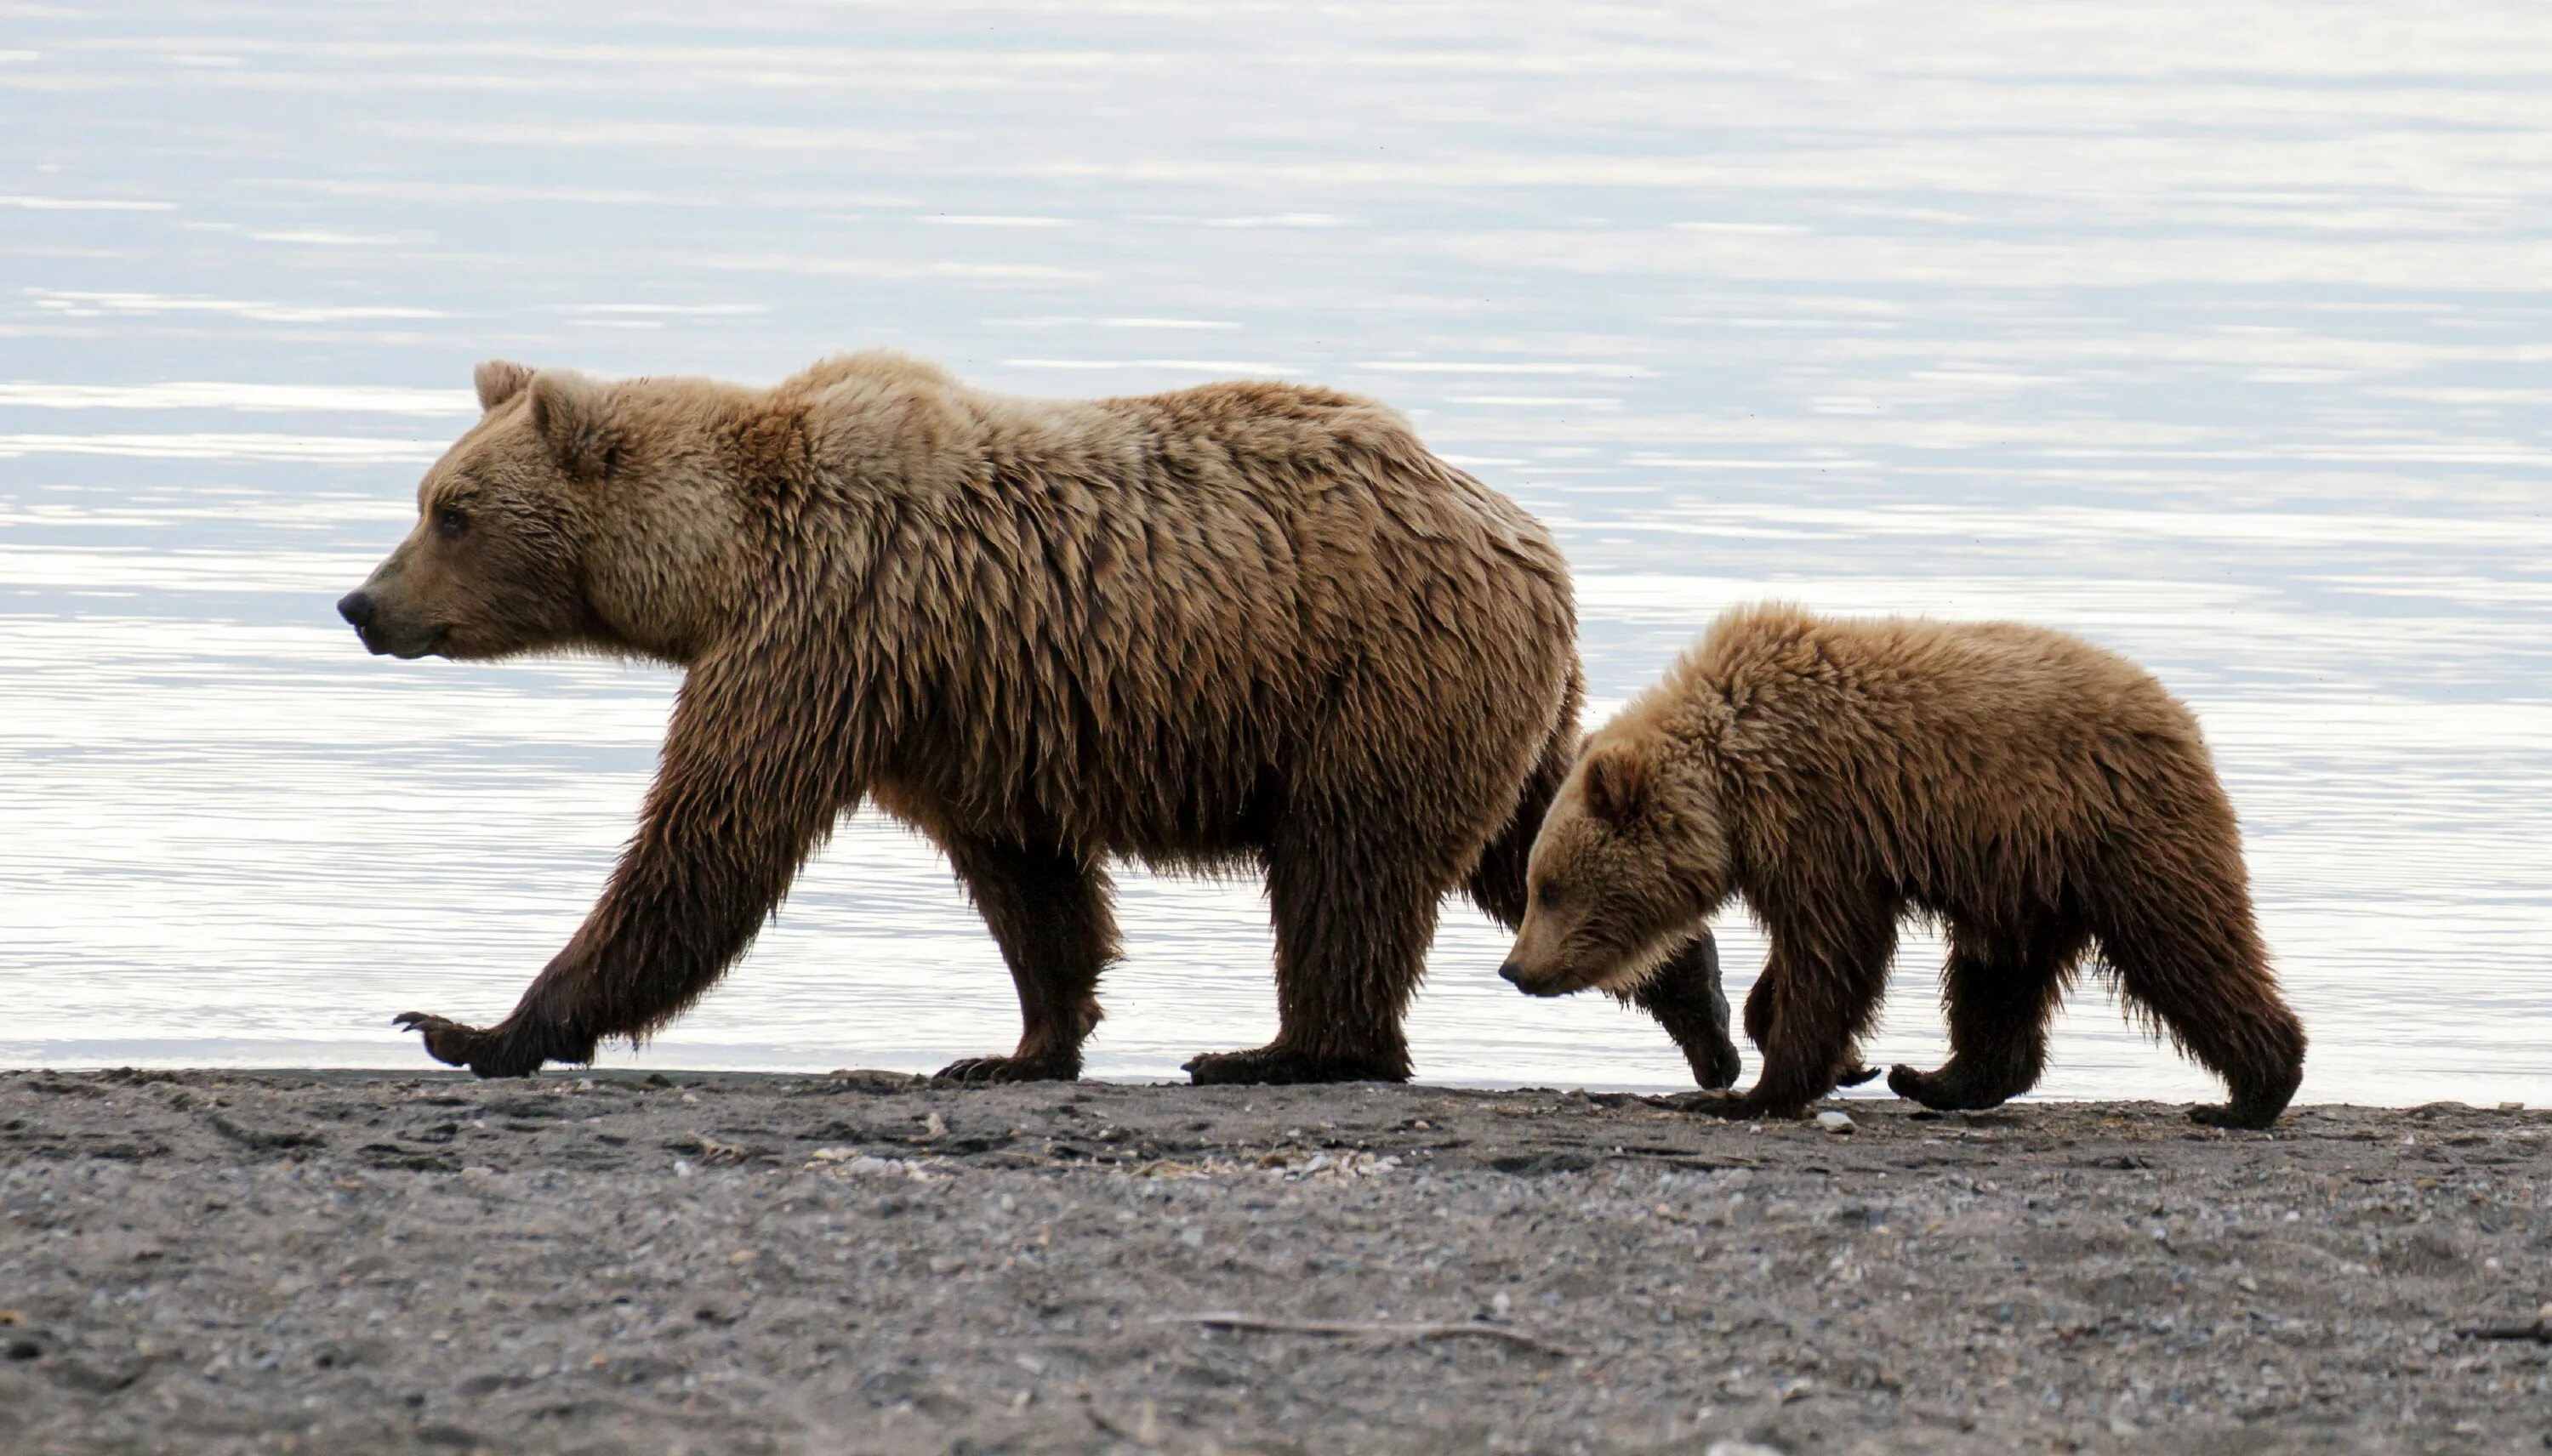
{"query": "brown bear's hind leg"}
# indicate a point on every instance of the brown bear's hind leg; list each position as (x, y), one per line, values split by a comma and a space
(2190, 956)
(1353, 925)
(1999, 992)
(1684, 995)
(1816, 999)
(1049, 913)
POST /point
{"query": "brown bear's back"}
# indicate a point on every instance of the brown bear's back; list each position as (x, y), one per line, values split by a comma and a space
(1158, 624)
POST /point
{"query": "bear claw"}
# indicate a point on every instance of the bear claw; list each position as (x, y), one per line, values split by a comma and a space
(1715, 1067)
(481, 1051)
(987, 1070)
(1276, 1065)
(1942, 1092)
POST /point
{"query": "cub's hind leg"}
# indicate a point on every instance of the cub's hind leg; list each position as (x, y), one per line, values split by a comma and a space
(1999, 988)
(2189, 955)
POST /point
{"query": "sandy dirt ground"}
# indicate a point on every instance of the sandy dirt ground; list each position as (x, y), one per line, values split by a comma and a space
(859, 1262)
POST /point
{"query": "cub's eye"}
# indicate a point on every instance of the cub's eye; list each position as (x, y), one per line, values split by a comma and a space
(451, 520)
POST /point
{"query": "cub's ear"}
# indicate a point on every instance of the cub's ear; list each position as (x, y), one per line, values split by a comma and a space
(1617, 785)
(574, 415)
(499, 380)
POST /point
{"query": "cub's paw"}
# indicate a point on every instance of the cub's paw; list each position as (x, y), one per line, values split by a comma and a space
(1854, 1075)
(1942, 1090)
(986, 1071)
(1276, 1065)
(487, 1052)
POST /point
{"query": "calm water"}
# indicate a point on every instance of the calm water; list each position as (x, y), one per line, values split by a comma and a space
(2221, 334)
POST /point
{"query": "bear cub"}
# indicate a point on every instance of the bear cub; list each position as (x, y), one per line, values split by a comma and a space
(2039, 795)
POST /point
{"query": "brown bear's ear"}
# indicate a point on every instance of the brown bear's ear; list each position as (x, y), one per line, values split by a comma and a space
(572, 414)
(499, 380)
(1617, 785)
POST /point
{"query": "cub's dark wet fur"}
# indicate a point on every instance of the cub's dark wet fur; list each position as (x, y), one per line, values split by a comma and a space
(2039, 795)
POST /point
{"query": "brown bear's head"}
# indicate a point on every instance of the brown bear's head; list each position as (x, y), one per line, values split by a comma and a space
(575, 514)
(1631, 860)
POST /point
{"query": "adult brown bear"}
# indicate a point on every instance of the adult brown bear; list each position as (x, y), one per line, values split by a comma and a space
(2038, 794)
(1244, 623)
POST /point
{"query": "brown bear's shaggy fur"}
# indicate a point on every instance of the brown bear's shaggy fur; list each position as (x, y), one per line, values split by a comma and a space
(1244, 623)
(2035, 792)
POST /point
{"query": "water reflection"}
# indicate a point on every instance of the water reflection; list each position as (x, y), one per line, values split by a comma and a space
(2233, 362)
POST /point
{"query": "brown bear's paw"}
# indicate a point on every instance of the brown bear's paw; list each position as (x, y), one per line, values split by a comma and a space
(1271, 1064)
(986, 1071)
(1854, 1075)
(489, 1052)
(1941, 1090)
(1713, 1059)
(1716, 1066)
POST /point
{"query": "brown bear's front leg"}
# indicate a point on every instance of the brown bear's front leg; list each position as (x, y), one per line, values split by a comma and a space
(1049, 913)
(743, 792)
(514, 1047)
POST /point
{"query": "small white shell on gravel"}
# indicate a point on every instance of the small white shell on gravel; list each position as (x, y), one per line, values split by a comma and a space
(1743, 1449)
(1832, 1121)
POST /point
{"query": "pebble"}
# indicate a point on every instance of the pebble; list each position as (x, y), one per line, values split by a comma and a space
(1743, 1449)
(1832, 1121)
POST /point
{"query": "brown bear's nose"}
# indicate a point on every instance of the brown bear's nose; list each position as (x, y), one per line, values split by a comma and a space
(356, 608)
(1513, 976)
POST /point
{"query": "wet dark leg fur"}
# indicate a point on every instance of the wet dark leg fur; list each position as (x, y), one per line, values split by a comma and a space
(2186, 952)
(1817, 998)
(1684, 995)
(1352, 926)
(1051, 915)
(1998, 989)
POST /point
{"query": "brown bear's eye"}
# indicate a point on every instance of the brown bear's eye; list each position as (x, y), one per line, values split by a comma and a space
(451, 520)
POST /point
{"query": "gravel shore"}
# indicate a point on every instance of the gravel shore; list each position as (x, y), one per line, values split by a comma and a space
(315, 1262)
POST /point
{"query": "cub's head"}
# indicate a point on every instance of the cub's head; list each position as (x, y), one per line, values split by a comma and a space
(1631, 860)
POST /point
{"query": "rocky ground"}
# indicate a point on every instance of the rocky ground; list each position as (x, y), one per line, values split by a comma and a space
(336, 1263)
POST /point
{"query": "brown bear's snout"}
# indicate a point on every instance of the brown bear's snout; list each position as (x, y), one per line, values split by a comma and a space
(382, 631)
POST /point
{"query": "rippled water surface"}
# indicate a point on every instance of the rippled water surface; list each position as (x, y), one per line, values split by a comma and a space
(2219, 334)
